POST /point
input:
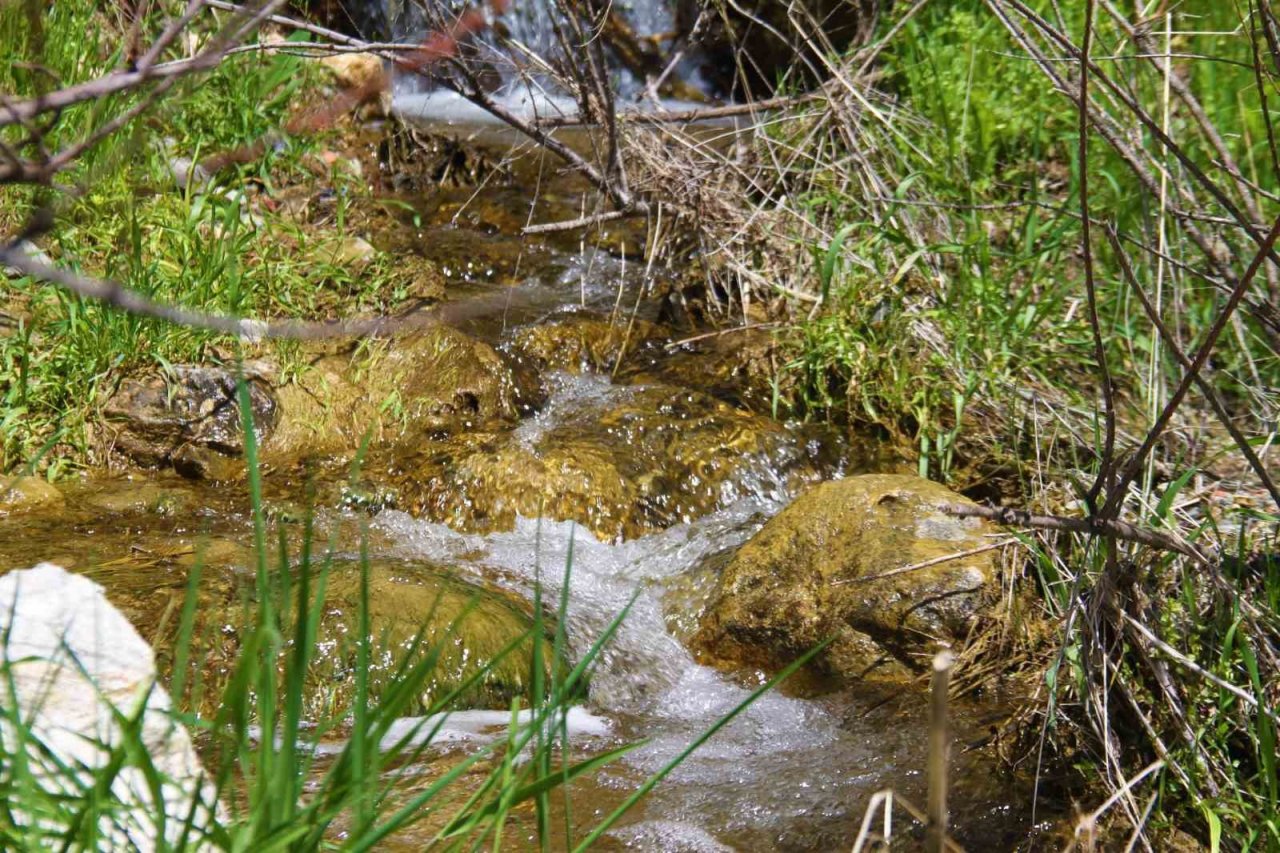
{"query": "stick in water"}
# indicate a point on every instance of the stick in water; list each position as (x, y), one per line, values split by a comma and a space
(939, 750)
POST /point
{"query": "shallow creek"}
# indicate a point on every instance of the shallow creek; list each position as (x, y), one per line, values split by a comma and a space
(794, 772)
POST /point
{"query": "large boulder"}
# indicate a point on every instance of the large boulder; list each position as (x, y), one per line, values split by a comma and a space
(75, 672)
(869, 562)
(620, 461)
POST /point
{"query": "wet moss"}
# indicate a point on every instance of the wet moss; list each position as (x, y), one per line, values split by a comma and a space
(834, 565)
(624, 464)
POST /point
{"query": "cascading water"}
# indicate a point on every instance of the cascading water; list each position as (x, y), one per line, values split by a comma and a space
(787, 774)
(518, 31)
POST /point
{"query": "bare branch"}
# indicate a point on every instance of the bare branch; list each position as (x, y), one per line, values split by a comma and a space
(1092, 526)
(1189, 375)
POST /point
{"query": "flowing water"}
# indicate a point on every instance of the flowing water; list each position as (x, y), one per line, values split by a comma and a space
(794, 772)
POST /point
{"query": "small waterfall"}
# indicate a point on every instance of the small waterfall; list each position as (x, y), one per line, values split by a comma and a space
(524, 27)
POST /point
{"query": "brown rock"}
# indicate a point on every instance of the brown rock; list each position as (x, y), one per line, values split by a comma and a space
(621, 461)
(830, 566)
(151, 418)
(20, 495)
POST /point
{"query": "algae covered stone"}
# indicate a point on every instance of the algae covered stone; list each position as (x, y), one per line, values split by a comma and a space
(579, 340)
(417, 609)
(846, 561)
(20, 495)
(620, 461)
(438, 380)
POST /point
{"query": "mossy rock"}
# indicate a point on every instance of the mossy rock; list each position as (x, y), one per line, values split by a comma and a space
(155, 418)
(577, 341)
(467, 623)
(439, 380)
(623, 463)
(829, 566)
(415, 610)
(20, 495)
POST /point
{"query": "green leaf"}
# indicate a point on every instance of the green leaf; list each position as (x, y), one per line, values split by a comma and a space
(827, 271)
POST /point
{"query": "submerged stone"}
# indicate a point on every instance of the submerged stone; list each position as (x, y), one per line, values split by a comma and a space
(420, 613)
(417, 610)
(620, 461)
(851, 560)
(20, 495)
(127, 496)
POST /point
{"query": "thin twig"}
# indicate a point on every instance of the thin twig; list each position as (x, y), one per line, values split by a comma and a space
(946, 558)
(1193, 370)
(1094, 526)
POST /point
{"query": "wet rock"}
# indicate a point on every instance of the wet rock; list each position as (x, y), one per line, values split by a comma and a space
(202, 463)
(824, 567)
(742, 367)
(419, 279)
(576, 341)
(470, 625)
(129, 496)
(151, 418)
(438, 381)
(77, 667)
(620, 461)
(26, 494)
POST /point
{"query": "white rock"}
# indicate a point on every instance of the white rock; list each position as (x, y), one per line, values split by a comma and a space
(76, 666)
(33, 253)
(187, 174)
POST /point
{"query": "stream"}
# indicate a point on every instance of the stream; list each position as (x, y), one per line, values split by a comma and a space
(794, 772)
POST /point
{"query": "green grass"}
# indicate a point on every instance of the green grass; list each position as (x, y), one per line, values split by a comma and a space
(997, 162)
(998, 158)
(213, 248)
